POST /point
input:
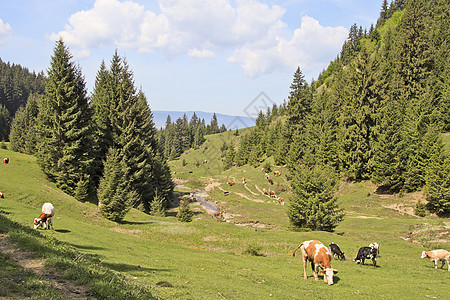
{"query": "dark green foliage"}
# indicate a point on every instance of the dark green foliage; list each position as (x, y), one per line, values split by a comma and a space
(185, 213)
(63, 124)
(313, 205)
(230, 158)
(357, 117)
(437, 179)
(124, 121)
(115, 199)
(299, 108)
(16, 84)
(5, 123)
(420, 209)
(158, 206)
(181, 135)
(23, 136)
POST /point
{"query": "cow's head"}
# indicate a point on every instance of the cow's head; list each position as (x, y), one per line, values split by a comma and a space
(424, 254)
(37, 222)
(328, 275)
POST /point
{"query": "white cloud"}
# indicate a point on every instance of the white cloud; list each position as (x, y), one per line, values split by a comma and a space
(5, 30)
(260, 42)
(310, 47)
(201, 53)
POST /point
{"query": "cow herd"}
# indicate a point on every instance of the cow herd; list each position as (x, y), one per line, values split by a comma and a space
(319, 256)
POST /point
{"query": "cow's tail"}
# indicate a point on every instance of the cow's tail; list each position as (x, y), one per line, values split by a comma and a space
(293, 253)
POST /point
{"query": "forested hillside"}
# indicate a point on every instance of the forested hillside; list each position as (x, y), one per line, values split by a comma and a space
(181, 135)
(377, 112)
(16, 84)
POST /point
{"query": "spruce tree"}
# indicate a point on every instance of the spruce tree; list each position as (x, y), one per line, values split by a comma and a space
(230, 158)
(114, 198)
(313, 205)
(125, 122)
(299, 108)
(5, 123)
(64, 132)
(437, 178)
(23, 127)
(357, 118)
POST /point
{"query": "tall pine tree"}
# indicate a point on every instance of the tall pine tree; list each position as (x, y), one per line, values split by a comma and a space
(64, 132)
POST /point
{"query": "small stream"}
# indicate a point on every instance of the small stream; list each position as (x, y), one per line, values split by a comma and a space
(206, 204)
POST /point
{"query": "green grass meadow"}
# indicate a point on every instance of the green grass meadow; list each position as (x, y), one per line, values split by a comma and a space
(207, 259)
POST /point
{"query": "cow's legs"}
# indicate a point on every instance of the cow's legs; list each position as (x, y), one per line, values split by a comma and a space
(435, 264)
(315, 268)
(304, 268)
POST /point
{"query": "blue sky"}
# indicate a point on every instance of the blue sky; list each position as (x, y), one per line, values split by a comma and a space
(203, 55)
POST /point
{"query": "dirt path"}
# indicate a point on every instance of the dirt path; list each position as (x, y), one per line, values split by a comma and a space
(25, 259)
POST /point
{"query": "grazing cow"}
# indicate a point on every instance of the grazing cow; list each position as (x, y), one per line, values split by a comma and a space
(272, 194)
(265, 191)
(217, 214)
(45, 219)
(1, 195)
(266, 176)
(319, 256)
(280, 200)
(6, 160)
(270, 181)
(244, 181)
(181, 202)
(366, 253)
(336, 251)
(276, 173)
(438, 255)
(230, 183)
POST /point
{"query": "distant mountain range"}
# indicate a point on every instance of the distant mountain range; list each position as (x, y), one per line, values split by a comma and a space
(231, 122)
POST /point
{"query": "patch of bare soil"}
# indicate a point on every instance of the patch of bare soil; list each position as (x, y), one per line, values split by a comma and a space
(428, 234)
(25, 259)
(252, 224)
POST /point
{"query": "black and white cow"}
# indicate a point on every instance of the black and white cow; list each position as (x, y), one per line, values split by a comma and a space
(366, 253)
(336, 251)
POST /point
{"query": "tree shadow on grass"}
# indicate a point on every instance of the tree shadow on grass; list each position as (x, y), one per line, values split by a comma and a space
(86, 247)
(120, 267)
(62, 230)
(137, 222)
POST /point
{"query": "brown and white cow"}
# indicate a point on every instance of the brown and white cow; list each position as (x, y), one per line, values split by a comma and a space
(319, 256)
(6, 160)
(45, 219)
(272, 194)
(276, 173)
(270, 181)
(230, 183)
(438, 255)
(1, 195)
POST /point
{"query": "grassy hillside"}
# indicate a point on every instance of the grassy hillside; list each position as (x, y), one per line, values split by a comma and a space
(207, 259)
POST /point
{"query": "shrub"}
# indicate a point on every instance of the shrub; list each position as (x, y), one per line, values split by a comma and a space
(157, 206)
(185, 213)
(253, 249)
(420, 209)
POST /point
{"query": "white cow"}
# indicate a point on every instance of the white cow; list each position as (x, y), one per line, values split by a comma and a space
(438, 255)
(46, 217)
